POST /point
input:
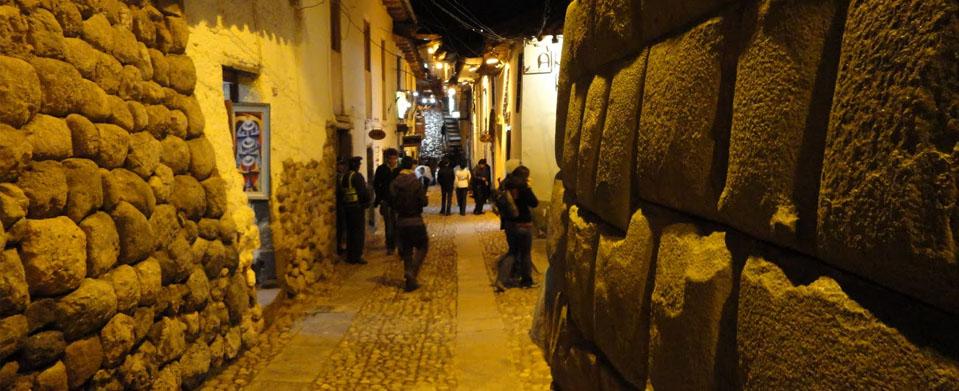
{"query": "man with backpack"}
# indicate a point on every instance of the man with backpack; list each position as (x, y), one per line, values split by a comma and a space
(381, 185)
(352, 193)
(409, 198)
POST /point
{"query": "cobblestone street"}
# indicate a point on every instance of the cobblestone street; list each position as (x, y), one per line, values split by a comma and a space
(362, 332)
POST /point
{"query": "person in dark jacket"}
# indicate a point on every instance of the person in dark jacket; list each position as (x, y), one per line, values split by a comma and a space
(482, 180)
(342, 167)
(445, 179)
(353, 195)
(384, 175)
(519, 229)
(409, 198)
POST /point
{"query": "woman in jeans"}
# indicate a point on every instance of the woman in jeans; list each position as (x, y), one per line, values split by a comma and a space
(519, 229)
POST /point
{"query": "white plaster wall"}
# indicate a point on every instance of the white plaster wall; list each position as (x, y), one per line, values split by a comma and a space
(289, 48)
(539, 125)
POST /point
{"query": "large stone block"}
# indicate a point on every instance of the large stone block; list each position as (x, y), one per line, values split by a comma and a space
(82, 359)
(612, 194)
(175, 154)
(41, 349)
(53, 253)
(98, 32)
(150, 276)
(189, 196)
(103, 243)
(84, 135)
(591, 134)
(68, 15)
(144, 154)
(46, 35)
(14, 31)
(126, 285)
(202, 158)
(681, 148)
(125, 45)
(691, 312)
(816, 336)
(113, 147)
(45, 184)
(12, 331)
(195, 364)
(556, 225)
(124, 185)
(624, 270)
(14, 292)
(216, 199)
(182, 74)
(191, 108)
(64, 91)
(574, 122)
(120, 114)
(13, 204)
(665, 17)
(137, 237)
(81, 55)
(19, 91)
(580, 269)
(169, 336)
(52, 378)
(162, 183)
(108, 74)
(784, 82)
(15, 153)
(86, 309)
(85, 188)
(117, 338)
(602, 31)
(50, 137)
(888, 200)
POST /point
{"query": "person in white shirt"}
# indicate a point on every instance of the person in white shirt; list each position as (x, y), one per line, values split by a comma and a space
(462, 183)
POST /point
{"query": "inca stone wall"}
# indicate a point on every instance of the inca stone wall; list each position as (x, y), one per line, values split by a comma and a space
(304, 228)
(120, 266)
(756, 195)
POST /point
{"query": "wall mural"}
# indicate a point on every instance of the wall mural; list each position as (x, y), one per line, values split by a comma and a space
(251, 138)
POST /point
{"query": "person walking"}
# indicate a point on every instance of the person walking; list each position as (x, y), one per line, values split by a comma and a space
(519, 227)
(481, 185)
(445, 179)
(409, 198)
(353, 195)
(384, 175)
(463, 176)
(425, 175)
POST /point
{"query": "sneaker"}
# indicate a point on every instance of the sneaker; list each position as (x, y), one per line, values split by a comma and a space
(528, 285)
(389, 251)
(360, 261)
(498, 287)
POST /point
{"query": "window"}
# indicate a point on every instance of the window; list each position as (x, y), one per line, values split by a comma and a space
(399, 73)
(335, 25)
(367, 40)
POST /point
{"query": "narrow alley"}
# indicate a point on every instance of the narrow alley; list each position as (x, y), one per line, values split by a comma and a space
(363, 332)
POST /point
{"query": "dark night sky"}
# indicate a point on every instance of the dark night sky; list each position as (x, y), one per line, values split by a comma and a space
(507, 18)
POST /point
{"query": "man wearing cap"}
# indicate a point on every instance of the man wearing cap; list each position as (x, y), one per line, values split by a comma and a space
(353, 195)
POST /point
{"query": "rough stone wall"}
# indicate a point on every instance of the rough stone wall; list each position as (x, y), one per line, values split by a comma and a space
(120, 266)
(756, 195)
(304, 225)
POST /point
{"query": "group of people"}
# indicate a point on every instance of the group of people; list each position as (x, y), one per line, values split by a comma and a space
(462, 180)
(399, 193)
(401, 197)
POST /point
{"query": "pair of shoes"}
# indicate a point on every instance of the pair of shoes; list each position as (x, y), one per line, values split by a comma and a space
(389, 251)
(360, 261)
(462, 213)
(411, 285)
(498, 287)
(528, 285)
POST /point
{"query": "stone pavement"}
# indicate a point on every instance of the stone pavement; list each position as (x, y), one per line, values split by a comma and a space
(364, 332)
